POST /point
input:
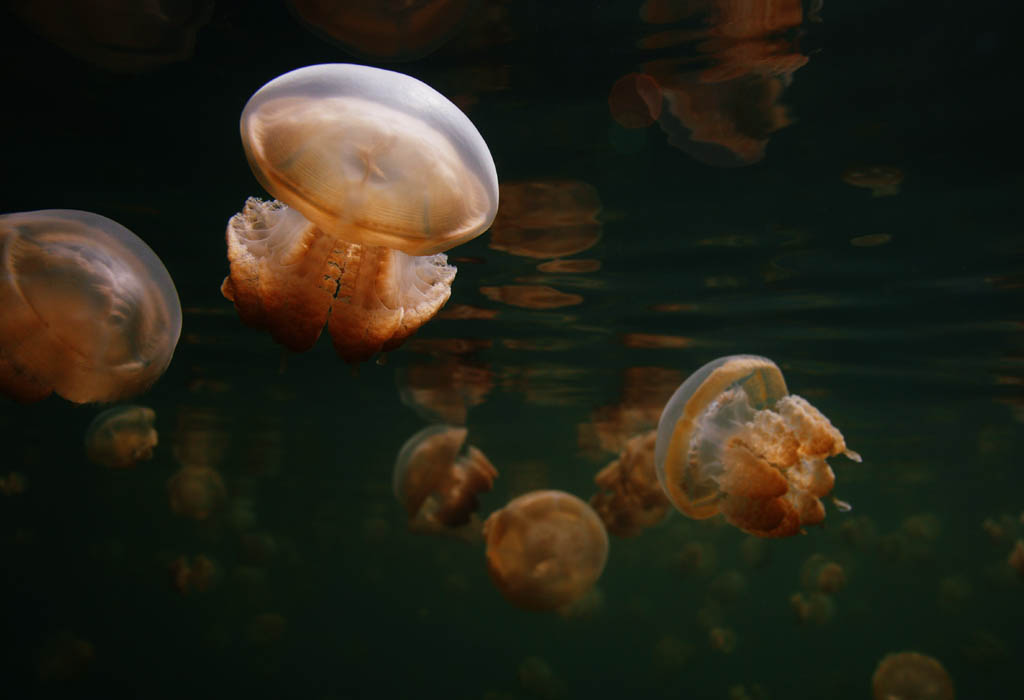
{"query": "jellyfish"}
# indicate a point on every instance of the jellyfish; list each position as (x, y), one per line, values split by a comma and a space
(911, 676)
(121, 436)
(630, 500)
(731, 440)
(195, 492)
(1016, 558)
(819, 573)
(375, 174)
(89, 310)
(882, 180)
(439, 487)
(545, 549)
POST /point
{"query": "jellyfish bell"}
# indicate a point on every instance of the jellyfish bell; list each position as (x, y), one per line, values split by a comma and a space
(910, 674)
(732, 440)
(545, 549)
(438, 482)
(377, 174)
(89, 310)
(121, 436)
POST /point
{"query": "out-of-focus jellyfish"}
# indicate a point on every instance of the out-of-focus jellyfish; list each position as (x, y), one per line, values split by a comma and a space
(531, 296)
(819, 573)
(1016, 558)
(539, 680)
(697, 558)
(196, 492)
(545, 549)
(882, 180)
(121, 436)
(871, 240)
(655, 341)
(464, 312)
(722, 639)
(635, 101)
(728, 586)
(202, 436)
(572, 267)
(437, 485)
(630, 499)
(122, 36)
(13, 484)
(754, 552)
(199, 574)
(89, 310)
(909, 675)
(815, 608)
(547, 218)
(587, 606)
(644, 393)
(732, 440)
(444, 389)
(387, 30)
(376, 173)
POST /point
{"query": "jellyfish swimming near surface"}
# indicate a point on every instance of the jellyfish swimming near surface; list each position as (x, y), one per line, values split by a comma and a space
(437, 485)
(89, 311)
(122, 436)
(732, 440)
(545, 549)
(375, 175)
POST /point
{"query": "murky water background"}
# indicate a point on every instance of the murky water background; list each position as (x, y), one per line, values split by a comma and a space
(898, 316)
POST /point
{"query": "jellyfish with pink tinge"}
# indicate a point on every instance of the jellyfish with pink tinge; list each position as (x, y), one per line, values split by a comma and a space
(733, 441)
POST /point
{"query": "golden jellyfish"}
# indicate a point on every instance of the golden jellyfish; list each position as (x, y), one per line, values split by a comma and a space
(196, 492)
(121, 436)
(816, 608)
(732, 440)
(630, 499)
(437, 485)
(89, 310)
(909, 675)
(882, 180)
(444, 389)
(545, 549)
(375, 174)
(531, 296)
(1016, 558)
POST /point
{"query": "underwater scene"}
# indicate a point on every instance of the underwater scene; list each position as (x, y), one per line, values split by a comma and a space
(496, 350)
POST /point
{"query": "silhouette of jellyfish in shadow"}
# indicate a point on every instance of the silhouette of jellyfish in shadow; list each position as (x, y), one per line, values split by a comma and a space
(88, 310)
(377, 174)
(732, 440)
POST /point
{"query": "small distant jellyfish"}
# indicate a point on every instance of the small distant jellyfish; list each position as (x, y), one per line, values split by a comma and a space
(196, 492)
(545, 549)
(122, 436)
(630, 499)
(732, 440)
(377, 174)
(882, 180)
(89, 310)
(911, 676)
(438, 483)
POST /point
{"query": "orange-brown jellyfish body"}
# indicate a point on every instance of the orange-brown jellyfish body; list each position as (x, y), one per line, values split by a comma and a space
(122, 36)
(387, 30)
(89, 310)
(377, 174)
(882, 180)
(122, 436)
(644, 393)
(732, 440)
(195, 492)
(910, 675)
(531, 296)
(630, 499)
(547, 219)
(438, 486)
(545, 549)
(815, 608)
(635, 101)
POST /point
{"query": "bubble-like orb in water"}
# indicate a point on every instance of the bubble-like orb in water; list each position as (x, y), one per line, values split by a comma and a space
(89, 310)
(732, 440)
(545, 549)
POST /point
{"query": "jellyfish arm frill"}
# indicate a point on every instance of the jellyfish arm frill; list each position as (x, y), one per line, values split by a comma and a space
(291, 278)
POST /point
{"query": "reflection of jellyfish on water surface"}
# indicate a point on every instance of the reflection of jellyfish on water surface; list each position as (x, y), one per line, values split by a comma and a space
(545, 549)
(89, 311)
(377, 173)
(732, 440)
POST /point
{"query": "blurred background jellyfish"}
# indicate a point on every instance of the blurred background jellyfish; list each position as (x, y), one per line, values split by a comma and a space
(196, 492)
(909, 675)
(89, 310)
(437, 485)
(732, 440)
(545, 549)
(630, 499)
(121, 436)
(377, 174)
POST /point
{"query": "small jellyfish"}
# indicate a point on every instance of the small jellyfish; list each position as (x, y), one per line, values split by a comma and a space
(545, 549)
(911, 676)
(121, 436)
(195, 492)
(13, 484)
(89, 310)
(882, 180)
(819, 573)
(198, 575)
(437, 485)
(377, 174)
(732, 440)
(630, 499)
(817, 608)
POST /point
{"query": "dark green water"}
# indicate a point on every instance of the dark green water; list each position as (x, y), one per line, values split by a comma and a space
(912, 347)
